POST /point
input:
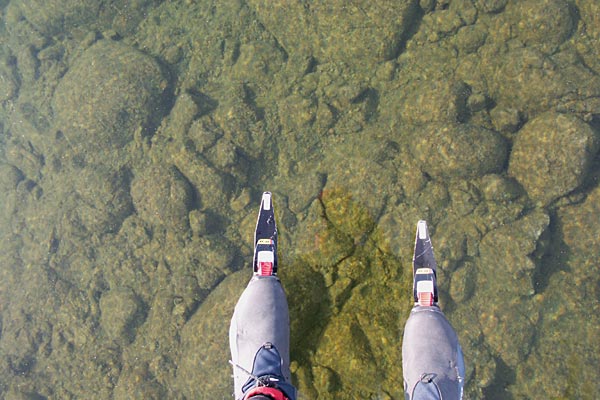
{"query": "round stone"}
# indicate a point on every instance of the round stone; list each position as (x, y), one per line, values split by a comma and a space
(162, 196)
(552, 154)
(108, 93)
(458, 150)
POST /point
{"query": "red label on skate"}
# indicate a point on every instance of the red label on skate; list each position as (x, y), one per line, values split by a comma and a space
(265, 268)
(425, 299)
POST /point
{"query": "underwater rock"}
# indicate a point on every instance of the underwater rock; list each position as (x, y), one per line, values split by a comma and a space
(121, 314)
(203, 370)
(583, 242)
(9, 84)
(509, 330)
(457, 239)
(435, 101)
(346, 214)
(56, 16)
(351, 168)
(204, 133)
(52, 17)
(208, 183)
(440, 24)
(588, 28)
(18, 347)
(360, 33)
(357, 341)
(297, 112)
(543, 23)
(506, 120)
(309, 303)
(458, 150)
(10, 176)
(531, 82)
(258, 61)
(498, 188)
(162, 196)
(508, 316)
(345, 349)
(573, 372)
(24, 157)
(103, 199)
(181, 116)
(138, 383)
(508, 257)
(463, 282)
(509, 247)
(108, 93)
(552, 154)
(490, 6)
(319, 242)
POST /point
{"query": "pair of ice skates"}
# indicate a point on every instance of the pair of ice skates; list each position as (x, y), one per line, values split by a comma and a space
(259, 333)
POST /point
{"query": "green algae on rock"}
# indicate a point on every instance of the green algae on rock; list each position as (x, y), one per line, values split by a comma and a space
(490, 6)
(582, 242)
(552, 155)
(499, 188)
(104, 199)
(543, 82)
(204, 342)
(9, 83)
(364, 30)
(458, 150)
(568, 286)
(435, 101)
(162, 197)
(356, 342)
(121, 314)
(544, 23)
(55, 17)
(110, 91)
(515, 247)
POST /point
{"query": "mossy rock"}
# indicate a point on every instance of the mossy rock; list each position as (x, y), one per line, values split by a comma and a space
(458, 150)
(107, 94)
(543, 23)
(162, 197)
(337, 31)
(57, 16)
(552, 155)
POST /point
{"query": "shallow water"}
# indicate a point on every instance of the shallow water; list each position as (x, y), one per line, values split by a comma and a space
(137, 137)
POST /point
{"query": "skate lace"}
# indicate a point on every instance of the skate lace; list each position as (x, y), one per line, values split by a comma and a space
(266, 380)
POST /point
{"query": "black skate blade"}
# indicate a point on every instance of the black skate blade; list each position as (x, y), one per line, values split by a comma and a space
(423, 255)
(265, 235)
(266, 228)
(424, 264)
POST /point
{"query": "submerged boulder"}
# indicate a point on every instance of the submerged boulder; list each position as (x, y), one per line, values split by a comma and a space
(122, 312)
(108, 93)
(582, 242)
(544, 23)
(435, 101)
(445, 150)
(337, 31)
(203, 368)
(57, 16)
(162, 196)
(552, 155)
(102, 198)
